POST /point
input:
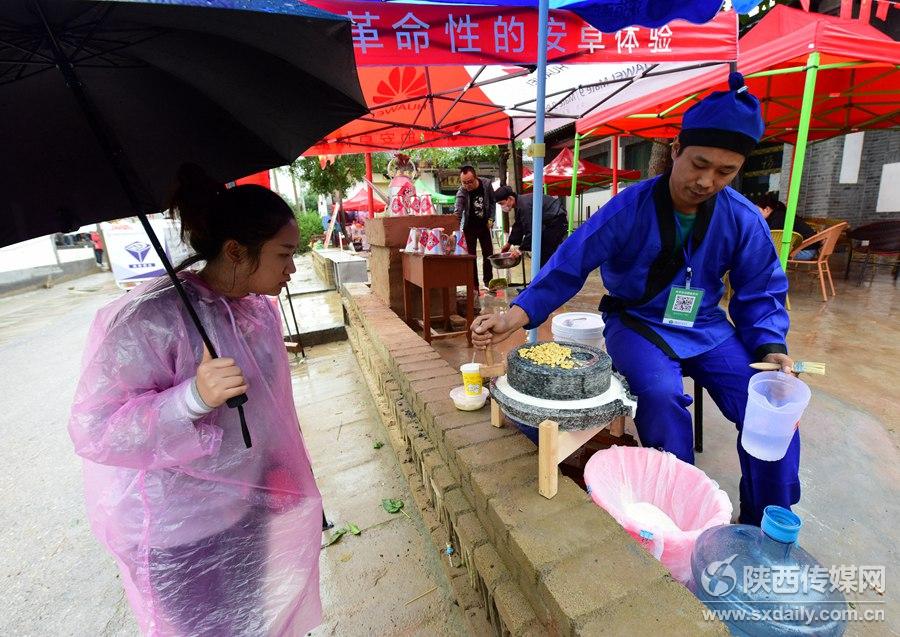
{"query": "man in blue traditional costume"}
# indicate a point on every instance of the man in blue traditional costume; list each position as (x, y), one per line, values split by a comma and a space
(662, 247)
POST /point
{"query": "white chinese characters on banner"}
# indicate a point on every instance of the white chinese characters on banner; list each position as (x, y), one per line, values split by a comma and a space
(591, 39)
(556, 31)
(509, 36)
(412, 33)
(627, 39)
(462, 34)
(365, 36)
(661, 40)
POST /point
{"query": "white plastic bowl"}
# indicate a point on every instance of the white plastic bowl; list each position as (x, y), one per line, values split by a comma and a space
(465, 402)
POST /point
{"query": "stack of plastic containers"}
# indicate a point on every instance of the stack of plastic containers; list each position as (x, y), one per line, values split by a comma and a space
(578, 327)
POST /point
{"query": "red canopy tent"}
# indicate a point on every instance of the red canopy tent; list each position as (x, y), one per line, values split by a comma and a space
(258, 179)
(558, 175)
(856, 87)
(850, 82)
(439, 75)
(360, 202)
(416, 107)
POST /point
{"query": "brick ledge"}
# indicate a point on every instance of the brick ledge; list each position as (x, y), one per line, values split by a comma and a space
(560, 566)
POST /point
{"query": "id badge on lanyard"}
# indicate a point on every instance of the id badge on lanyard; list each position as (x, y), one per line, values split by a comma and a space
(684, 302)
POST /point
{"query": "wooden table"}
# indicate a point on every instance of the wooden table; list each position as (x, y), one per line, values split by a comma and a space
(443, 272)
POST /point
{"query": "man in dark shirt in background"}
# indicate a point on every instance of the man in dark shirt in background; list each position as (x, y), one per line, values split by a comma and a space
(554, 224)
(475, 207)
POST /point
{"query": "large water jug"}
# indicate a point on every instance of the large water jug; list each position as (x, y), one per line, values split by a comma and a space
(775, 402)
(761, 583)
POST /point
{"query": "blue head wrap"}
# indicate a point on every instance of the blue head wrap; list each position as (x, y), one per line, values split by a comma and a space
(725, 119)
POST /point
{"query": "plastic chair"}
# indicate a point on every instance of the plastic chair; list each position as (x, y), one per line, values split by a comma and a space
(796, 239)
(828, 238)
(778, 235)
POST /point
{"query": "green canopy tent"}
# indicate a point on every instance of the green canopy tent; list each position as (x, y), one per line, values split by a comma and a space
(436, 198)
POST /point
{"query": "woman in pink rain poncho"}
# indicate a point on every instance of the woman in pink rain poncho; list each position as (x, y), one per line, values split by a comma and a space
(212, 538)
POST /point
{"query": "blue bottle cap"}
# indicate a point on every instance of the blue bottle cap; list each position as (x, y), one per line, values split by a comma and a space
(780, 524)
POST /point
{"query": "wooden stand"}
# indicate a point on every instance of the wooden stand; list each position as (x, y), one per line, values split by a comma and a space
(443, 272)
(554, 446)
(387, 237)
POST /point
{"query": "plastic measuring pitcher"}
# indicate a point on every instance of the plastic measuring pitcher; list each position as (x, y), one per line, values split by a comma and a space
(775, 402)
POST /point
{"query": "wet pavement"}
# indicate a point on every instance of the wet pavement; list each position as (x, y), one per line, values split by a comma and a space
(368, 582)
(57, 580)
(314, 306)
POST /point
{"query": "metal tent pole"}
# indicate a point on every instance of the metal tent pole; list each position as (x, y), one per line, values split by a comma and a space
(615, 165)
(538, 148)
(809, 91)
(573, 194)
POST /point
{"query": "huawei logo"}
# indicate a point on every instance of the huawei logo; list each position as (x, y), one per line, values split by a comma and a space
(402, 82)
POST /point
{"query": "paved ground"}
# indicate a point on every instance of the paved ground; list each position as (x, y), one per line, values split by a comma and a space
(56, 578)
(368, 581)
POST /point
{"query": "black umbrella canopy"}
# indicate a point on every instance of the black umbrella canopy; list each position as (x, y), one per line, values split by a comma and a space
(232, 89)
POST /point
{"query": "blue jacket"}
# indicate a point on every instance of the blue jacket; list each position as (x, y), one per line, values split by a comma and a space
(632, 238)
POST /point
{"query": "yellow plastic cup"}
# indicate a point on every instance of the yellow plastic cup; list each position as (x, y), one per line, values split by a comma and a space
(471, 375)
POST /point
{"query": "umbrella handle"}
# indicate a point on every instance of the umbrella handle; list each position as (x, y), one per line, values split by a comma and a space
(238, 401)
(235, 401)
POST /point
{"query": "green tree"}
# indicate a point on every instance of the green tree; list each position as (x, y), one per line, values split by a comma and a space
(456, 157)
(310, 225)
(337, 176)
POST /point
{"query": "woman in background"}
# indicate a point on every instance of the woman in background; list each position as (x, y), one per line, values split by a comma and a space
(774, 211)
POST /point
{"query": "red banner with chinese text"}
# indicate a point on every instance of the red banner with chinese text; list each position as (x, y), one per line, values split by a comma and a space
(389, 34)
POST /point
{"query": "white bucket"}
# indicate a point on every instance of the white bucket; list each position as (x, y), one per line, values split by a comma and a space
(585, 328)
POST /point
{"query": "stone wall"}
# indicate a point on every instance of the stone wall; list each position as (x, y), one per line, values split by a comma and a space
(822, 194)
(539, 567)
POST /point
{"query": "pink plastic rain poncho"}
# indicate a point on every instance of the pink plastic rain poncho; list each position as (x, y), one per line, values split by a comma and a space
(211, 538)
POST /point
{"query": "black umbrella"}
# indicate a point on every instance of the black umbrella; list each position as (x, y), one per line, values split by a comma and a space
(101, 101)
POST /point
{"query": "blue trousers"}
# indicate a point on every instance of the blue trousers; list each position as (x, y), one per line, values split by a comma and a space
(664, 422)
